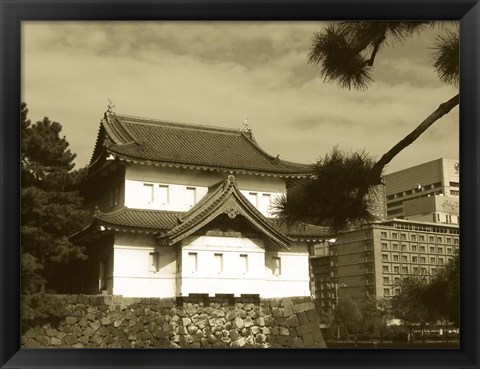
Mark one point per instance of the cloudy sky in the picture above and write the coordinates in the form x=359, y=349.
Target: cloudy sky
x=218, y=73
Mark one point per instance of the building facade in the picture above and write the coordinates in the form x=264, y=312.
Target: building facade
x=181, y=210
x=370, y=262
x=427, y=192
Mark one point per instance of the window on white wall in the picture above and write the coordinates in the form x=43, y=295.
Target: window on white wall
x=277, y=265
x=191, y=196
x=266, y=204
x=244, y=263
x=193, y=262
x=218, y=263
x=153, y=256
x=253, y=198
x=148, y=196
x=163, y=194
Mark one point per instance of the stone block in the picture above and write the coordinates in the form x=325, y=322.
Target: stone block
x=305, y=329
x=231, y=314
x=312, y=315
x=77, y=331
x=106, y=321
x=55, y=341
x=247, y=323
x=292, y=321
x=218, y=313
x=286, y=302
x=288, y=311
x=82, y=299
x=260, y=321
x=239, y=343
x=233, y=334
x=308, y=339
x=241, y=313
x=43, y=340
x=51, y=332
x=277, y=313
x=292, y=332
x=302, y=318
x=83, y=339
x=260, y=338
x=267, y=331
x=186, y=321
x=238, y=323
x=70, y=320
x=282, y=340
x=255, y=329
x=83, y=322
x=30, y=333
x=283, y=331
x=70, y=340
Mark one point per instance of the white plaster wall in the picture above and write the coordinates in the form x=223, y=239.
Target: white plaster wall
x=178, y=180
x=294, y=279
x=132, y=276
x=207, y=279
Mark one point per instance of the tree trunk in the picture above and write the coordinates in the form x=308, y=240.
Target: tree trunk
x=412, y=136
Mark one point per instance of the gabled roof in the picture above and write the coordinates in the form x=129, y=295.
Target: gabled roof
x=225, y=198
x=170, y=227
x=162, y=143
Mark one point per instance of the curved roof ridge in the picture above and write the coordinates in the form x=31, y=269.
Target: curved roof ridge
x=183, y=125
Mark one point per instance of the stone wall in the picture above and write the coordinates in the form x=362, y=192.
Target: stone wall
x=116, y=322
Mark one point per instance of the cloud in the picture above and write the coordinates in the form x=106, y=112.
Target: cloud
x=219, y=73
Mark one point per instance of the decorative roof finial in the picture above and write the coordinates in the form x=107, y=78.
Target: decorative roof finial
x=246, y=127
x=110, y=107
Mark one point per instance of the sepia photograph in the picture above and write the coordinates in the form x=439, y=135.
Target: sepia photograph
x=240, y=184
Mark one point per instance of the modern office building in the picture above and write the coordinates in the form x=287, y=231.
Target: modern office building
x=427, y=192
x=372, y=260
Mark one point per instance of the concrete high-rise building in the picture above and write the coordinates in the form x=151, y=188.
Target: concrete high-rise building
x=426, y=192
x=372, y=260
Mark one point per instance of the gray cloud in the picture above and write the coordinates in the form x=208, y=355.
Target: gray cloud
x=218, y=73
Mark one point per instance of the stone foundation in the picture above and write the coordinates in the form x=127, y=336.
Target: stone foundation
x=116, y=322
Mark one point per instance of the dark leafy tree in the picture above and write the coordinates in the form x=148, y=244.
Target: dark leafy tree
x=348, y=316
x=345, y=53
x=408, y=304
x=374, y=317
x=441, y=296
x=51, y=210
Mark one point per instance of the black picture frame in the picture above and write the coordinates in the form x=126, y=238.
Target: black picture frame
x=14, y=12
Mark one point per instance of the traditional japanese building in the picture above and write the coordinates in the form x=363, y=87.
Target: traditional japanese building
x=181, y=209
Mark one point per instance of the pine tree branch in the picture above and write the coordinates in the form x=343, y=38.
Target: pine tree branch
x=412, y=136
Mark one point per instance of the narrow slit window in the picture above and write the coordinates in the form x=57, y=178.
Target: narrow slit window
x=218, y=263
x=253, y=197
x=277, y=266
x=163, y=194
x=244, y=263
x=191, y=196
x=148, y=193
x=193, y=262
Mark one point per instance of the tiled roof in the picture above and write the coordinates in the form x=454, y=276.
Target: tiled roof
x=141, y=219
x=221, y=198
x=302, y=230
x=165, y=143
x=225, y=198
